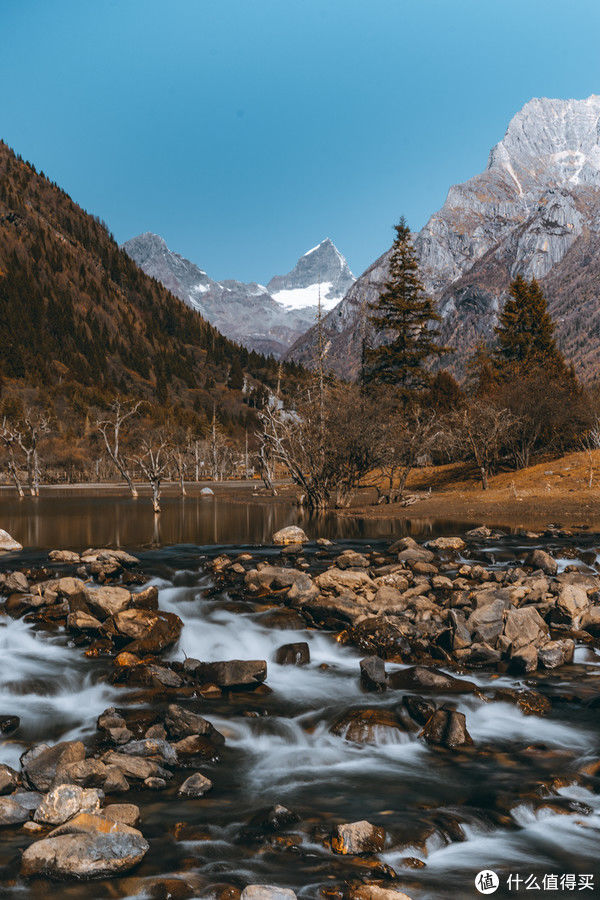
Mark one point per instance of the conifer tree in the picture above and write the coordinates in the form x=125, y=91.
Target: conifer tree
x=405, y=314
x=525, y=330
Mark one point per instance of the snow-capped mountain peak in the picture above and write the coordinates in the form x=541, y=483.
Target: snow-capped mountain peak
x=268, y=319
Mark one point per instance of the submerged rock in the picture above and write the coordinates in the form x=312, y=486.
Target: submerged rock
x=369, y=726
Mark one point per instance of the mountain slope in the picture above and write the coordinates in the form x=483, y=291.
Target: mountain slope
x=266, y=319
x=79, y=318
x=535, y=211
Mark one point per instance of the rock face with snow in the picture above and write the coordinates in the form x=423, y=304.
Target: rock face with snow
x=534, y=211
x=268, y=319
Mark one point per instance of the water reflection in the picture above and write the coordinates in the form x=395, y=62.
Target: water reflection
x=85, y=518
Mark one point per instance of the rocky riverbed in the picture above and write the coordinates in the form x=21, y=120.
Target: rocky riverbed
x=331, y=719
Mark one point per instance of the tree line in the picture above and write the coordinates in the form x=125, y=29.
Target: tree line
x=521, y=398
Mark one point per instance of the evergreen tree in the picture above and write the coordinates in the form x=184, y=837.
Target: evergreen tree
x=404, y=313
x=525, y=330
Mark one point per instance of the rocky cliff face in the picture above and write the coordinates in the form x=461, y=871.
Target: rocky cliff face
x=535, y=210
x=268, y=319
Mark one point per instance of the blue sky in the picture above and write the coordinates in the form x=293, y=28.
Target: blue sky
x=245, y=131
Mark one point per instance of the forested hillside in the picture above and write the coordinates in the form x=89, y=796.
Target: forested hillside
x=80, y=323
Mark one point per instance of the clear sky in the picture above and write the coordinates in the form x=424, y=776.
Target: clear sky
x=245, y=131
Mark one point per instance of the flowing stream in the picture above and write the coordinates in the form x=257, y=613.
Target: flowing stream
x=507, y=808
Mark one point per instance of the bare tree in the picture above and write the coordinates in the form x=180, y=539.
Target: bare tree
x=481, y=432
x=402, y=435
x=266, y=465
x=154, y=461
x=110, y=429
x=9, y=436
x=180, y=458
x=35, y=425
x=326, y=443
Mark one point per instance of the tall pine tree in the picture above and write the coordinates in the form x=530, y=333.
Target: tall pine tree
x=525, y=330
x=404, y=314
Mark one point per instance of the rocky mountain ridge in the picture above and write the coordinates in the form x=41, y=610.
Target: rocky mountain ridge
x=534, y=211
x=267, y=319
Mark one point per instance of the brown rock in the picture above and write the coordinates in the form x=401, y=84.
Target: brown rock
x=297, y=654
x=108, y=601
x=358, y=837
x=42, y=763
x=447, y=728
x=150, y=631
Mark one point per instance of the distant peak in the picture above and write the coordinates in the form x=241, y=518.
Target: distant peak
x=326, y=243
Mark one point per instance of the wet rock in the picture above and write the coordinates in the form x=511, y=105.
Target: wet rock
x=9, y=779
x=65, y=801
x=381, y=636
x=447, y=543
x=13, y=811
x=447, y=728
x=297, y=654
x=156, y=731
x=539, y=559
x=43, y=763
x=86, y=773
x=195, y=745
x=358, y=837
x=266, y=892
x=485, y=623
x=233, y=672
x=338, y=581
x=125, y=813
x=195, y=786
x=290, y=535
x=389, y=599
x=9, y=724
x=572, y=603
x=151, y=748
x=369, y=726
x=352, y=559
x=418, y=708
x=83, y=621
x=376, y=892
x=335, y=610
x=115, y=783
x=146, y=599
x=480, y=654
x=524, y=659
x=524, y=626
x=531, y=703
x=556, y=653
x=155, y=783
x=372, y=673
x=150, y=631
x=416, y=554
x=8, y=543
x=281, y=618
x=14, y=583
x=64, y=556
x=71, y=588
x=419, y=678
x=181, y=722
x=107, y=601
x=138, y=768
x=85, y=848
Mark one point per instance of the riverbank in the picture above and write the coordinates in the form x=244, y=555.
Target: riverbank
x=553, y=492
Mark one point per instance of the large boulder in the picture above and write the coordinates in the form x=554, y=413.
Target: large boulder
x=232, y=672
x=65, y=801
x=108, y=601
x=43, y=762
x=524, y=626
x=292, y=534
x=266, y=892
x=485, y=623
x=358, y=837
x=150, y=630
x=8, y=543
x=181, y=722
x=447, y=728
x=539, y=559
x=338, y=581
x=85, y=848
